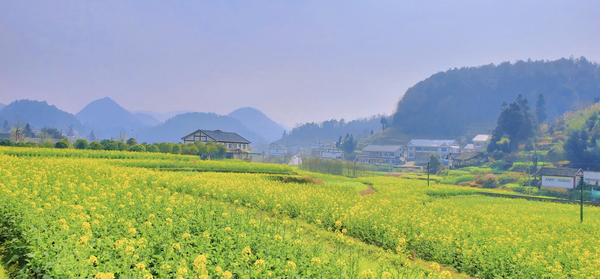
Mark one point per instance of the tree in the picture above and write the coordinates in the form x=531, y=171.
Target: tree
x=339, y=142
x=131, y=141
x=152, y=148
x=189, y=149
x=27, y=132
x=6, y=127
x=540, y=109
x=53, y=132
x=349, y=144
x=81, y=144
x=96, y=146
x=137, y=148
x=515, y=122
x=176, y=149
x=92, y=136
x=434, y=163
x=71, y=132
x=383, y=122
x=63, y=143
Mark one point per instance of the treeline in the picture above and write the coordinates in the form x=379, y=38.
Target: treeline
x=330, y=131
x=209, y=150
x=466, y=100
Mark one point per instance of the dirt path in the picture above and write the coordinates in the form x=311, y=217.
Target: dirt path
x=368, y=191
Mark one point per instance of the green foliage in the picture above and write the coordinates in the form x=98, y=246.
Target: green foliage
x=137, y=148
x=131, y=142
x=53, y=132
x=434, y=163
x=94, y=145
x=81, y=144
x=540, y=109
x=451, y=103
x=515, y=122
x=63, y=143
x=7, y=142
x=489, y=181
x=152, y=148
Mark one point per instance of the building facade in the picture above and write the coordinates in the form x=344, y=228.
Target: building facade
x=419, y=150
x=381, y=155
x=232, y=141
x=277, y=150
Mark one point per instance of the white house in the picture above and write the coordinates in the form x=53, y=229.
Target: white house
x=479, y=142
x=420, y=149
x=566, y=178
x=381, y=154
x=331, y=153
x=232, y=141
x=277, y=150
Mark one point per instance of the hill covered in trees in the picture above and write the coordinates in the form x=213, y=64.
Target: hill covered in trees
x=38, y=114
x=330, y=131
x=468, y=100
x=258, y=122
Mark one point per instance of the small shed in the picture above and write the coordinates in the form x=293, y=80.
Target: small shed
x=566, y=178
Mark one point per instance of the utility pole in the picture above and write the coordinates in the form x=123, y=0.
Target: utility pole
x=581, y=191
x=428, y=174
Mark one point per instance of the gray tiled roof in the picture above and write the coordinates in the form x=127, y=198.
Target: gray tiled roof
x=565, y=172
x=221, y=136
x=432, y=143
x=382, y=148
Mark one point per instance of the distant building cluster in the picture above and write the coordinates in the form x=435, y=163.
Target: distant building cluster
x=416, y=150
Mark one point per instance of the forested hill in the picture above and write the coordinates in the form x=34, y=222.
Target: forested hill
x=468, y=100
x=330, y=131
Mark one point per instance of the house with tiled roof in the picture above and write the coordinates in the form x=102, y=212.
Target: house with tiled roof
x=419, y=150
x=381, y=154
x=566, y=178
x=232, y=141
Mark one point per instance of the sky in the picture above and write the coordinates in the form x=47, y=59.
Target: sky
x=296, y=61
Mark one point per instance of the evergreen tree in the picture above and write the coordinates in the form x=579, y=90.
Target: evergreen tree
x=540, y=109
x=434, y=164
x=349, y=144
x=92, y=136
x=27, y=132
x=6, y=127
x=515, y=122
x=383, y=122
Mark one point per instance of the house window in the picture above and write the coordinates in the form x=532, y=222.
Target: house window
x=444, y=149
x=411, y=148
x=418, y=148
x=237, y=145
x=229, y=146
x=203, y=138
x=244, y=146
x=196, y=137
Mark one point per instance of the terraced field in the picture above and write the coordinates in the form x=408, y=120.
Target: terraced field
x=92, y=215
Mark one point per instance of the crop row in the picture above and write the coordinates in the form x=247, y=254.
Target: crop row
x=75, y=218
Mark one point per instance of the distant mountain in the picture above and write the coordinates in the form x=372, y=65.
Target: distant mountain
x=181, y=125
x=2, y=106
x=468, y=100
x=108, y=119
x=146, y=119
x=258, y=122
x=162, y=117
x=39, y=115
x=330, y=131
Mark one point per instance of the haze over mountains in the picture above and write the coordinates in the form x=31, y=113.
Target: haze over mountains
x=107, y=119
x=448, y=104
x=468, y=100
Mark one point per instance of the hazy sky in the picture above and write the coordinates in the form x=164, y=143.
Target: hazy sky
x=297, y=61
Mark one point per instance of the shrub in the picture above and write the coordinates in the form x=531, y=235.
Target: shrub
x=63, y=143
x=489, y=181
x=137, y=148
x=81, y=144
x=96, y=146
